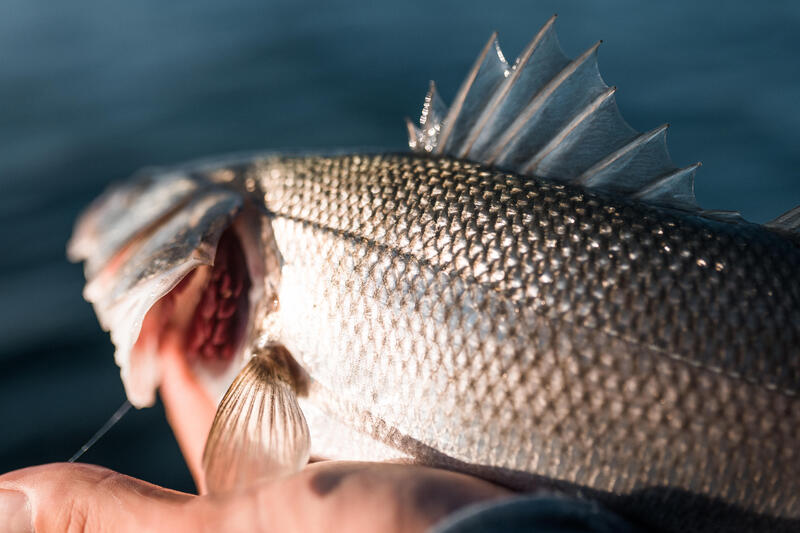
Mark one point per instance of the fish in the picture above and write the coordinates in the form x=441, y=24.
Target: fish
x=531, y=295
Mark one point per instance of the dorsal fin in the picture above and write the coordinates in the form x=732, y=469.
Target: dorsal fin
x=426, y=136
x=555, y=118
x=789, y=222
x=486, y=75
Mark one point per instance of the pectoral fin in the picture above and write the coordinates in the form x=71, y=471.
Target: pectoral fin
x=259, y=431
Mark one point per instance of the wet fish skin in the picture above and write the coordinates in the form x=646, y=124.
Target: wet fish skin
x=599, y=331
x=516, y=327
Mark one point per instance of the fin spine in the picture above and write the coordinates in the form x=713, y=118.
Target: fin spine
x=413, y=134
x=537, y=102
x=461, y=97
x=638, y=142
x=660, y=191
x=787, y=222
x=505, y=87
x=588, y=111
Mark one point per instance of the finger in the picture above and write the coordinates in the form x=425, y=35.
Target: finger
x=91, y=499
x=190, y=411
x=78, y=497
x=357, y=497
x=366, y=497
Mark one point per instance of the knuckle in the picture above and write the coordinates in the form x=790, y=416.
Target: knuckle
x=75, y=493
x=75, y=517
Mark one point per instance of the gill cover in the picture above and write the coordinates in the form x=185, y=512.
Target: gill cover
x=138, y=241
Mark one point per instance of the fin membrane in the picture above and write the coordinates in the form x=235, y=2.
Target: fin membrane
x=259, y=431
x=789, y=222
x=555, y=118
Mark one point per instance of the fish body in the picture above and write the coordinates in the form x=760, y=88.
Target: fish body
x=525, y=326
x=602, y=337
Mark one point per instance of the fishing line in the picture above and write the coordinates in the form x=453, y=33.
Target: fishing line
x=119, y=413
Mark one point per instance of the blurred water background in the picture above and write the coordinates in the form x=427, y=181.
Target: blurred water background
x=92, y=90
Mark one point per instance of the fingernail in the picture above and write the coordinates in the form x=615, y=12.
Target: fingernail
x=15, y=512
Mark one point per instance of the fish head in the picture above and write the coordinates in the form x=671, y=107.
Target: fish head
x=186, y=254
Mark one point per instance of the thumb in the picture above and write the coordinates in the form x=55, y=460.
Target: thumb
x=86, y=498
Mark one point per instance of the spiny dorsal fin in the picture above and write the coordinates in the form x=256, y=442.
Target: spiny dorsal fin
x=555, y=118
x=486, y=75
x=426, y=136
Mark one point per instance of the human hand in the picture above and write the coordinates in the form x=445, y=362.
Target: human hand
x=324, y=496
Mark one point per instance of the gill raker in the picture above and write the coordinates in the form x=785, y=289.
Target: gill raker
x=532, y=296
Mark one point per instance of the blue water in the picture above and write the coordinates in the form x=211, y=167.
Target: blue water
x=92, y=90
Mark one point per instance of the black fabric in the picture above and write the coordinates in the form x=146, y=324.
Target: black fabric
x=539, y=514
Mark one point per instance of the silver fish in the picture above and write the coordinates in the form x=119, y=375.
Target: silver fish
x=533, y=297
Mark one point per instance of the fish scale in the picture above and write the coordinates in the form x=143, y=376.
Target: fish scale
x=572, y=320
x=552, y=331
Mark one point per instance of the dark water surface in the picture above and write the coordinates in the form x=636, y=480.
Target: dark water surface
x=92, y=90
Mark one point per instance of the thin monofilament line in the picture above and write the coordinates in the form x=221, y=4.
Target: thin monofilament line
x=119, y=413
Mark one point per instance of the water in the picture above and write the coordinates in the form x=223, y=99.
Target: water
x=90, y=91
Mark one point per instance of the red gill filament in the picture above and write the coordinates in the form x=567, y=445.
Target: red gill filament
x=220, y=318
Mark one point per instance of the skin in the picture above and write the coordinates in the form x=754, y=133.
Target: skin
x=354, y=496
